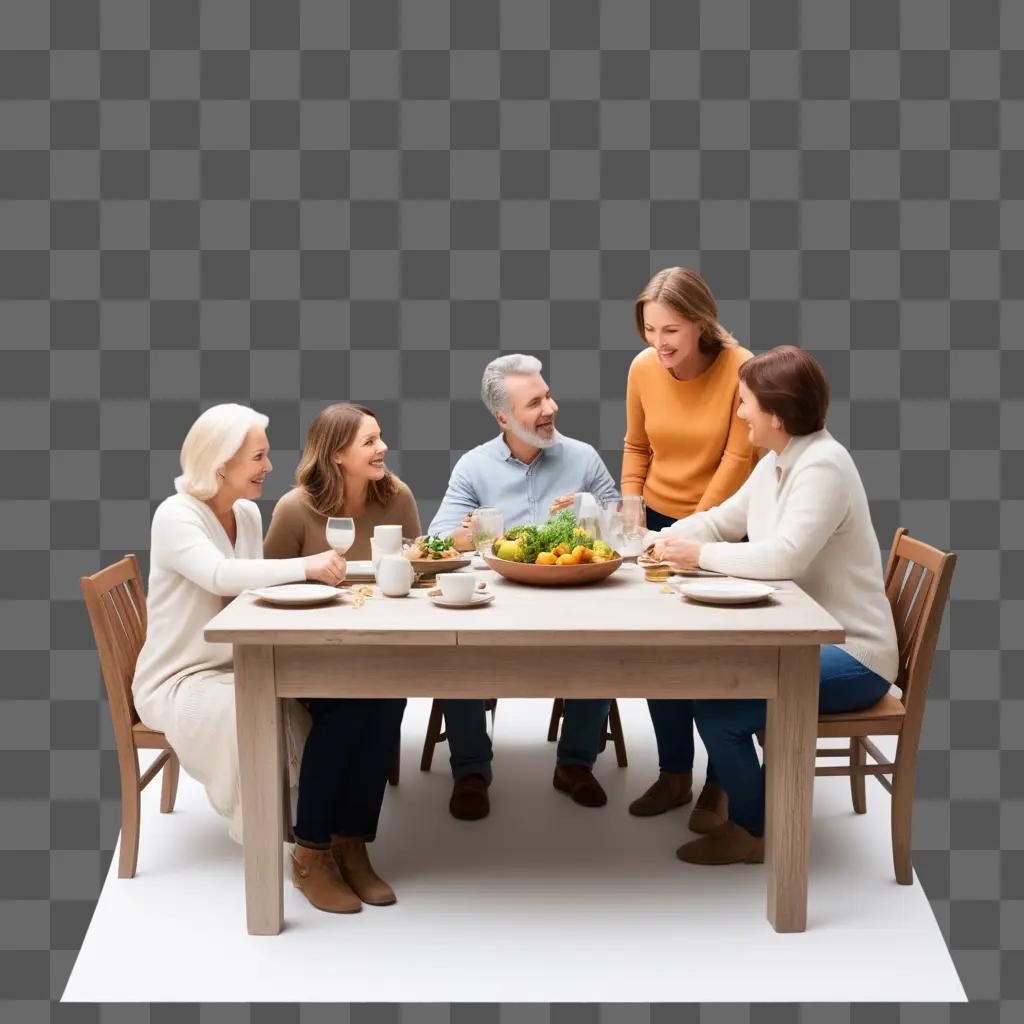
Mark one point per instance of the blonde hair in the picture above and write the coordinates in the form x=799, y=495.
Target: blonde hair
x=688, y=294
x=334, y=429
x=213, y=440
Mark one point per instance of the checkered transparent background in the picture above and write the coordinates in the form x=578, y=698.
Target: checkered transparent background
x=287, y=203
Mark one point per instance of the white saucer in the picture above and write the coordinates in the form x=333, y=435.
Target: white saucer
x=298, y=595
x=727, y=591
x=479, y=599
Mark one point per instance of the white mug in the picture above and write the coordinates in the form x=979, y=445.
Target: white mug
x=457, y=587
x=388, y=538
x=394, y=575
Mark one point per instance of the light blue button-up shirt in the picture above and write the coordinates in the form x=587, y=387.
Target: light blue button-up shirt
x=491, y=476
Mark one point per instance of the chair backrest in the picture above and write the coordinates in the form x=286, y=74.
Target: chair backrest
x=917, y=579
x=116, y=604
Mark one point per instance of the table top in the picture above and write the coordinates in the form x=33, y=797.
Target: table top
x=623, y=610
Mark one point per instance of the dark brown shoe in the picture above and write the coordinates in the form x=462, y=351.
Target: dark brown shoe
x=316, y=876
x=729, y=843
x=469, y=800
x=710, y=810
x=673, y=789
x=580, y=784
x=353, y=861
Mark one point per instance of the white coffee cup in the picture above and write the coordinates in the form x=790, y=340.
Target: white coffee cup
x=457, y=587
x=394, y=575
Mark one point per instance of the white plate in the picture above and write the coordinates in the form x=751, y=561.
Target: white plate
x=479, y=599
x=725, y=591
x=298, y=595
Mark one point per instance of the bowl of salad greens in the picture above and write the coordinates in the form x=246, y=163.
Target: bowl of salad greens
x=434, y=554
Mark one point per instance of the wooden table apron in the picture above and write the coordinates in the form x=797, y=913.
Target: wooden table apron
x=774, y=657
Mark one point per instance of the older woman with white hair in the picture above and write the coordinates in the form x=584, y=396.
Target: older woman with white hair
x=207, y=545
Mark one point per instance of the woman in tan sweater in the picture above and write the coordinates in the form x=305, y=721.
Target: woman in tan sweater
x=685, y=451
x=342, y=473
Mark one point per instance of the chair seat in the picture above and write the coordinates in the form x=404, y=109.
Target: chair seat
x=149, y=739
x=883, y=718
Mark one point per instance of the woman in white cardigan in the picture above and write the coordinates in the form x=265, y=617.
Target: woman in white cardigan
x=207, y=547
x=807, y=518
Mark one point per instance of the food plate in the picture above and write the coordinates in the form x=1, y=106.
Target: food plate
x=478, y=601
x=431, y=566
x=725, y=591
x=298, y=595
x=553, y=575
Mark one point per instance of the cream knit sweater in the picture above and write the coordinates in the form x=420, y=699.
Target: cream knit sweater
x=807, y=518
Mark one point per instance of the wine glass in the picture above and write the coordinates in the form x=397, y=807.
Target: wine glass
x=341, y=533
x=487, y=524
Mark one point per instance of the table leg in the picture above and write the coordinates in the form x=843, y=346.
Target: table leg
x=790, y=737
x=260, y=746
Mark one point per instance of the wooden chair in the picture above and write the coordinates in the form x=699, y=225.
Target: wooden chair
x=436, y=733
x=117, y=610
x=612, y=730
x=917, y=579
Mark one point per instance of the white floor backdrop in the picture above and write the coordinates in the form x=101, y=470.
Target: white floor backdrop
x=543, y=901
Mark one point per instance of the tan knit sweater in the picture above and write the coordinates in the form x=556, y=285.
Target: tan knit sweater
x=296, y=530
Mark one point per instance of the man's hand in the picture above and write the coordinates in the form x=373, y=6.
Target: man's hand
x=683, y=554
x=565, y=501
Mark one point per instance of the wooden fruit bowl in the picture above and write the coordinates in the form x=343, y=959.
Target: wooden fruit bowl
x=553, y=575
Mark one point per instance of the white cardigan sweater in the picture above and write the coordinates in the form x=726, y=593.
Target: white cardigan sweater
x=193, y=570
x=807, y=519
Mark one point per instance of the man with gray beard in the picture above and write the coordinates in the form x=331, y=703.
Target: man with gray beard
x=529, y=471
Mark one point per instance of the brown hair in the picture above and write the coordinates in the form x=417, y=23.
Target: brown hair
x=789, y=383
x=319, y=476
x=689, y=295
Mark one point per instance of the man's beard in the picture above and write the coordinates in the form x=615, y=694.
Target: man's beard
x=527, y=435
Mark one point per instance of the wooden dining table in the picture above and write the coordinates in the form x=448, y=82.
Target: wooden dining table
x=622, y=637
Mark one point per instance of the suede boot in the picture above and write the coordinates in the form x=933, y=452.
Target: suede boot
x=354, y=863
x=729, y=843
x=317, y=877
x=673, y=789
x=469, y=800
x=580, y=784
x=710, y=810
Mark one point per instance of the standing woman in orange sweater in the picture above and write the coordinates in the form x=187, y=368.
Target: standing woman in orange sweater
x=685, y=451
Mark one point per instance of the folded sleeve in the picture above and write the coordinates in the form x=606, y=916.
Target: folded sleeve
x=599, y=481
x=181, y=543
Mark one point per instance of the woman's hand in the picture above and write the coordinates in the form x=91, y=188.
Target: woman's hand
x=565, y=501
x=328, y=567
x=683, y=554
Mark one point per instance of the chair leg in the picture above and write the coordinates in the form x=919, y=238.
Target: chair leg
x=169, y=783
x=617, y=736
x=434, y=732
x=902, y=817
x=288, y=831
x=131, y=811
x=396, y=765
x=556, y=717
x=858, y=789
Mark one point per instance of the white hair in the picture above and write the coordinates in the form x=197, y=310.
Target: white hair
x=492, y=388
x=211, y=441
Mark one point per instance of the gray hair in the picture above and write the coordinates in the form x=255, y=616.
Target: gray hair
x=492, y=387
x=212, y=441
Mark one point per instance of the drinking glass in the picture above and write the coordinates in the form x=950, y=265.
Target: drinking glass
x=341, y=533
x=487, y=525
x=624, y=524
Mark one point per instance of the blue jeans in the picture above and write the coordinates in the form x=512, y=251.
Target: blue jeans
x=728, y=726
x=470, y=746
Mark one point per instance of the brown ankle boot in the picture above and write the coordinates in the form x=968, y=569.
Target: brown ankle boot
x=729, y=843
x=673, y=789
x=317, y=877
x=354, y=863
x=710, y=810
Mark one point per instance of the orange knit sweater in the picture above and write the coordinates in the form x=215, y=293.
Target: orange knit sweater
x=686, y=450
